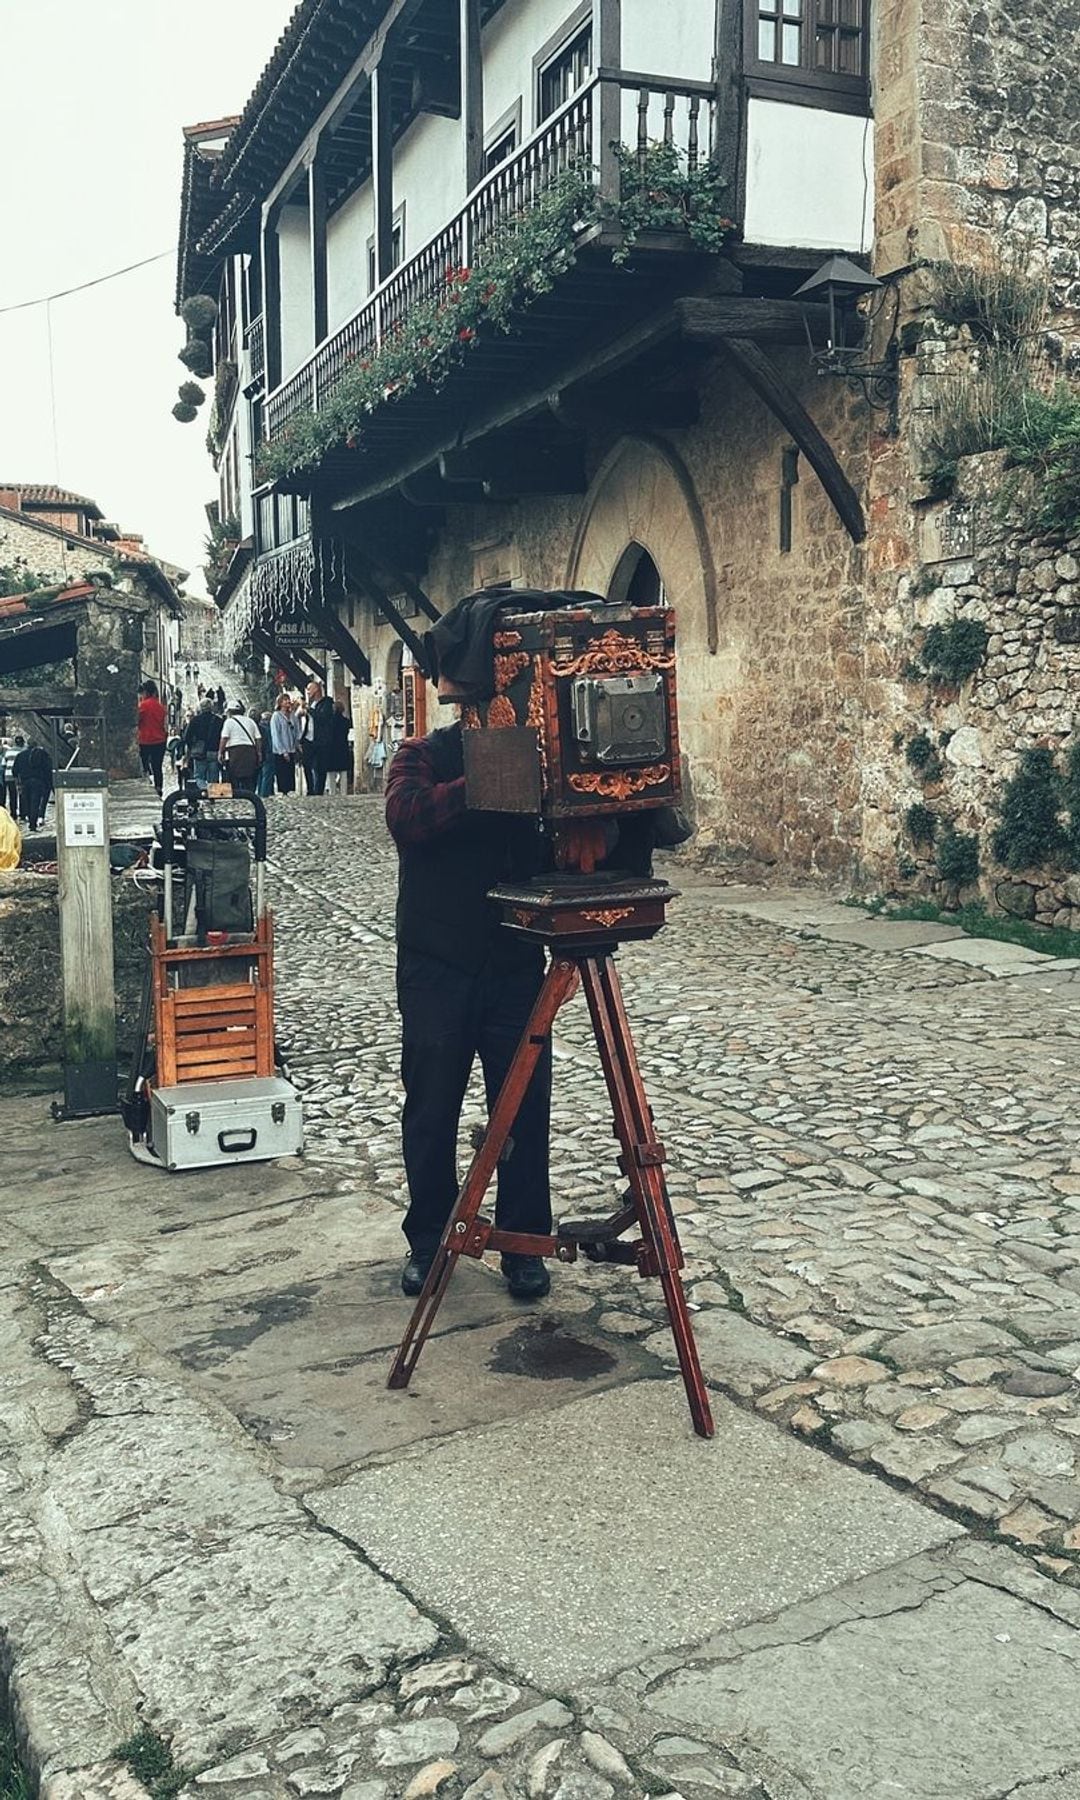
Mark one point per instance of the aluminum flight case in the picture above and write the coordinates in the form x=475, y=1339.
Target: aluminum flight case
x=200, y=1124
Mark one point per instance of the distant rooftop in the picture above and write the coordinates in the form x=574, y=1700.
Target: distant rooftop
x=36, y=494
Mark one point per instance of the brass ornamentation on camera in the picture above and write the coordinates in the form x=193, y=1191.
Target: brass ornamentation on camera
x=620, y=785
x=500, y=714
x=615, y=654
x=611, y=915
x=508, y=668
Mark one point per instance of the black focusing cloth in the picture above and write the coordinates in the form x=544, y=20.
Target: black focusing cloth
x=461, y=646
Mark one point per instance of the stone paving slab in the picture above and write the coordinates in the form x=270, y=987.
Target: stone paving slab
x=211, y=1597
x=569, y=1544
x=995, y=956
x=950, y=1690
x=339, y=1412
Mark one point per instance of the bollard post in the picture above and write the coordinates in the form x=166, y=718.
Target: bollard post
x=86, y=943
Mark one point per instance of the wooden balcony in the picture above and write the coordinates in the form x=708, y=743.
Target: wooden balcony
x=614, y=107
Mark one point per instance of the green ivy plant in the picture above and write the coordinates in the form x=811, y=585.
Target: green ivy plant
x=659, y=191
x=224, y=535
x=520, y=263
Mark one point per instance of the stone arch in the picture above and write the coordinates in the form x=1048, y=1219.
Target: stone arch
x=643, y=495
x=637, y=580
x=394, y=665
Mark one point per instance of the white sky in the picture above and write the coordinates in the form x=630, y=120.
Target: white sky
x=95, y=96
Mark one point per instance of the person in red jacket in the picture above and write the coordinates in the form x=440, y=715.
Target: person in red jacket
x=153, y=733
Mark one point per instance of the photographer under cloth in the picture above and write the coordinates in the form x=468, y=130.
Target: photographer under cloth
x=465, y=984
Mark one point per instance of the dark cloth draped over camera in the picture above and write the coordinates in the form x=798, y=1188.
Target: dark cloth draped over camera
x=462, y=645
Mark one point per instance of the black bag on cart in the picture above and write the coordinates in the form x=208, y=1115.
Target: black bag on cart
x=219, y=886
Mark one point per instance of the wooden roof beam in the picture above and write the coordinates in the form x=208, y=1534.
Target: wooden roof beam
x=783, y=402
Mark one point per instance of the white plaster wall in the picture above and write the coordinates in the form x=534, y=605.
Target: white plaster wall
x=429, y=176
x=510, y=42
x=347, y=234
x=672, y=37
x=297, y=320
x=810, y=177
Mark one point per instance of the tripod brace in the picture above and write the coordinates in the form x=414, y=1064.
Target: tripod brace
x=582, y=924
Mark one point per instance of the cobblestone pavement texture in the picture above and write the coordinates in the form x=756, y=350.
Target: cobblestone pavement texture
x=874, y=1156
x=217, y=1524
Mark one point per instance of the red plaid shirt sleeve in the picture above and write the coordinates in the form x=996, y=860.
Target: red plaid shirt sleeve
x=417, y=806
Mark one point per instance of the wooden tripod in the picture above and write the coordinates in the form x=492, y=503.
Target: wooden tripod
x=657, y=1252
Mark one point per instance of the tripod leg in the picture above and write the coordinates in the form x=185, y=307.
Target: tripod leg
x=642, y=1158
x=558, y=985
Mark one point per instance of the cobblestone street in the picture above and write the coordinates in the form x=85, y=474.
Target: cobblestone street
x=874, y=1154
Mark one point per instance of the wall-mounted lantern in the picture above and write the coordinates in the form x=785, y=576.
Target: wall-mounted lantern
x=845, y=290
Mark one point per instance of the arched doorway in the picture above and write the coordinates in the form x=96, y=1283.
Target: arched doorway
x=637, y=580
x=643, y=538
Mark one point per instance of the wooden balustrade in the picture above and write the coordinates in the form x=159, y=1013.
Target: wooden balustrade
x=255, y=341
x=679, y=114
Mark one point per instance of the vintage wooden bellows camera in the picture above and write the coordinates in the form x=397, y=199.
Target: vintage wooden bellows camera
x=584, y=717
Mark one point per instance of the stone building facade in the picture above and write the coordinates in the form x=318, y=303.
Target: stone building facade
x=127, y=629
x=795, y=634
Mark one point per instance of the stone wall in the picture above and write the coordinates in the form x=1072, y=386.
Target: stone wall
x=976, y=133
x=25, y=546
x=976, y=558
x=31, y=1045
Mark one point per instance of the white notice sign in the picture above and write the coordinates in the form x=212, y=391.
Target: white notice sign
x=84, y=820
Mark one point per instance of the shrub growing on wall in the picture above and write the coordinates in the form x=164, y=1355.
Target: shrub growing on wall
x=1031, y=832
x=923, y=758
x=920, y=824
x=952, y=652
x=958, y=858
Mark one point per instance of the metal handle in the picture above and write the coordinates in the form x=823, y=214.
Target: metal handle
x=234, y=1143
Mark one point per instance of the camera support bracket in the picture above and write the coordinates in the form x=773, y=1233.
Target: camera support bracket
x=582, y=929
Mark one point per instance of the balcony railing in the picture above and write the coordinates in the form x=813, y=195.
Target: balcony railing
x=649, y=109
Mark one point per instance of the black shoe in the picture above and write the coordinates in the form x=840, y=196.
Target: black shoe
x=526, y=1277
x=415, y=1272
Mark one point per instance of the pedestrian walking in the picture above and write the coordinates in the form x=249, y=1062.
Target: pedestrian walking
x=339, y=765
x=306, y=744
x=264, y=785
x=285, y=741
x=240, y=749
x=321, y=716
x=10, y=785
x=34, y=774
x=153, y=731
x=201, y=740
x=220, y=697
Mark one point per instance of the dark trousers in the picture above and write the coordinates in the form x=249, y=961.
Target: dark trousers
x=307, y=757
x=285, y=771
x=11, y=798
x=448, y=1018
x=316, y=772
x=152, y=757
x=35, y=798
